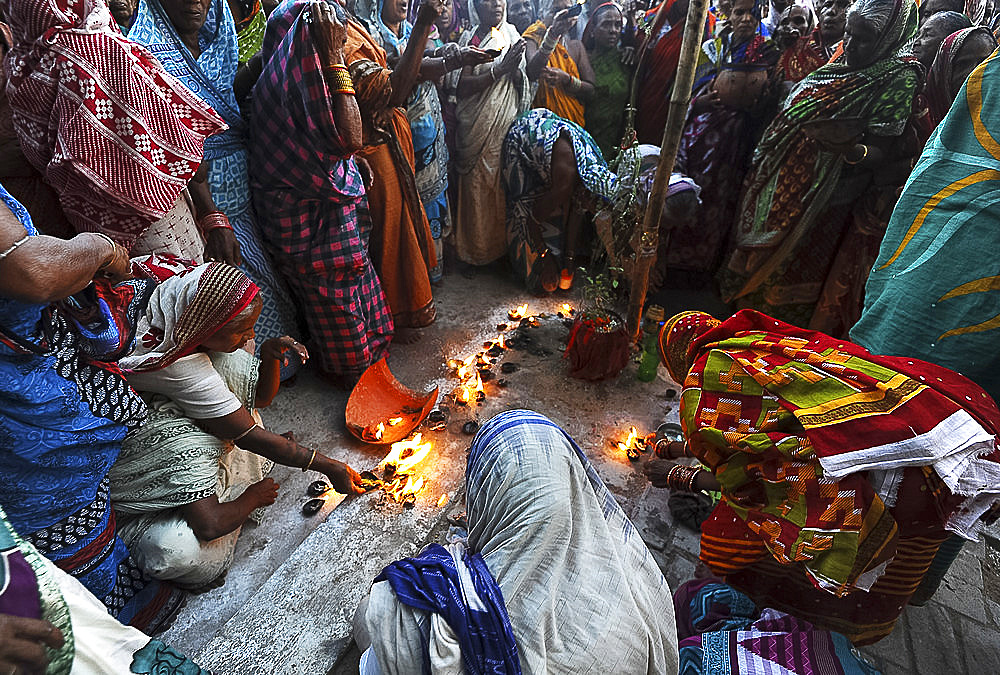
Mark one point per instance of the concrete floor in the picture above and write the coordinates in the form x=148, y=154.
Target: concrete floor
x=291, y=593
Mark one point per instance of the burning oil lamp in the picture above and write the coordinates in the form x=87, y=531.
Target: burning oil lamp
x=633, y=446
x=518, y=312
x=499, y=39
x=395, y=471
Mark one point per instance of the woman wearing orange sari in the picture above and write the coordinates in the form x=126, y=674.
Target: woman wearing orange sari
x=401, y=246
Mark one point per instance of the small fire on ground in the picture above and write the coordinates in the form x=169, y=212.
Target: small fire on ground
x=395, y=473
x=633, y=446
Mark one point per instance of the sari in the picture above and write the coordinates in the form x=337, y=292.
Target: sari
x=551, y=97
x=527, y=175
x=715, y=152
x=809, y=225
x=250, y=32
x=722, y=631
x=841, y=472
x=805, y=56
x=527, y=481
x=170, y=462
x=430, y=152
x=311, y=201
x=932, y=292
x=656, y=82
x=210, y=76
x=94, y=643
x=113, y=133
x=401, y=244
x=483, y=120
x=612, y=83
x=64, y=410
x=937, y=96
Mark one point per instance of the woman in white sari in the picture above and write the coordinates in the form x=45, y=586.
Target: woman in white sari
x=490, y=96
x=555, y=578
x=187, y=480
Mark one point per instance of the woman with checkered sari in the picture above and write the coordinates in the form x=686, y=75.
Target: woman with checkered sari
x=307, y=189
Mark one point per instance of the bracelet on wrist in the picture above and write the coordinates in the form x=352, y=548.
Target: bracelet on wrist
x=493, y=72
x=214, y=221
x=864, y=154
x=311, y=460
x=114, y=249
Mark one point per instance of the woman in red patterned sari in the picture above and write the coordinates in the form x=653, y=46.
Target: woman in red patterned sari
x=840, y=472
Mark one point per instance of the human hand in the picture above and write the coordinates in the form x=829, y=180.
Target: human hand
x=23, y=642
x=221, y=245
x=344, y=479
x=656, y=470
x=706, y=102
x=561, y=23
x=555, y=77
x=277, y=349
x=367, y=177
x=119, y=267
x=329, y=34
x=512, y=59
x=429, y=11
x=262, y=493
x=473, y=56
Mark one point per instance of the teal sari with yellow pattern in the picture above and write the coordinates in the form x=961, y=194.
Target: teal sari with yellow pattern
x=934, y=292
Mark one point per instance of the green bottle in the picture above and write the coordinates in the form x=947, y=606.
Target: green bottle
x=650, y=359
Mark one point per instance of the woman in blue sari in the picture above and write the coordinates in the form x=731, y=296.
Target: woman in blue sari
x=64, y=409
x=201, y=51
x=423, y=111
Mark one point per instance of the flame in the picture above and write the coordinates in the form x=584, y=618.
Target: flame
x=479, y=384
x=467, y=367
x=565, y=308
x=518, y=312
x=395, y=421
x=379, y=430
x=501, y=342
x=465, y=395
x=442, y=500
x=630, y=441
x=406, y=454
x=499, y=39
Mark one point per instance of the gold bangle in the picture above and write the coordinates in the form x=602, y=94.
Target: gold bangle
x=860, y=159
x=341, y=80
x=241, y=436
x=306, y=467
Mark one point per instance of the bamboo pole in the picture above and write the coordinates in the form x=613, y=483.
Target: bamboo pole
x=694, y=28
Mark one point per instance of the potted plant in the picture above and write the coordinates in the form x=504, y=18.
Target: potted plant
x=599, y=345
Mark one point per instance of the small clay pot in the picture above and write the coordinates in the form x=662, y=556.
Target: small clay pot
x=470, y=428
x=317, y=488
x=312, y=507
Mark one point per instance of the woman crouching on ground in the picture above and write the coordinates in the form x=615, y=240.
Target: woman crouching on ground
x=184, y=486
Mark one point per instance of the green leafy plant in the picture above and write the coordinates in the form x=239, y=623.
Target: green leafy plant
x=601, y=292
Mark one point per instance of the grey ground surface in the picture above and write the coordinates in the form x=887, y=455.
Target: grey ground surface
x=289, y=598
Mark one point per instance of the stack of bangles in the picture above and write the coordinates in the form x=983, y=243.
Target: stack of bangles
x=342, y=82
x=213, y=221
x=662, y=449
x=548, y=44
x=682, y=477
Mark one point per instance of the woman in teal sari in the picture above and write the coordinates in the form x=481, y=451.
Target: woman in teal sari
x=201, y=52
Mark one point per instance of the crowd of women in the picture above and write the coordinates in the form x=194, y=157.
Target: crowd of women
x=191, y=187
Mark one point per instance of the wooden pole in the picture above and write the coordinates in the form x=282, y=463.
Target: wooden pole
x=694, y=28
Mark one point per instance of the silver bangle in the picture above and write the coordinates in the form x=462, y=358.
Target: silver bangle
x=14, y=246
x=493, y=72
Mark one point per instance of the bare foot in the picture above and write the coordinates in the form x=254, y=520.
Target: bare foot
x=406, y=336
x=548, y=275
